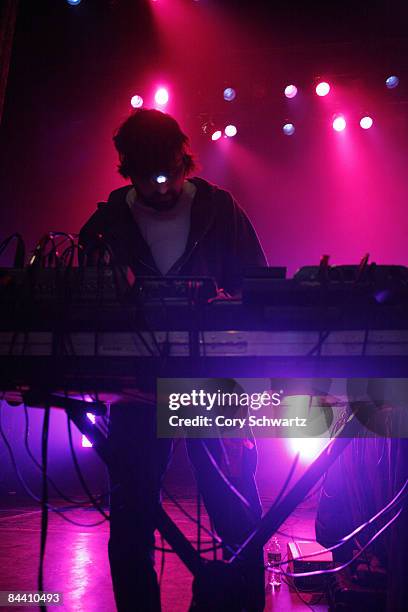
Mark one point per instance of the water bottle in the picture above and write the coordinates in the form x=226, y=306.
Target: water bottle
x=273, y=559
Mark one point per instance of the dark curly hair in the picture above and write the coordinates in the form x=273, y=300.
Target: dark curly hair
x=150, y=141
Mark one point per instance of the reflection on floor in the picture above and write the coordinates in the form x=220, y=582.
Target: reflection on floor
x=77, y=564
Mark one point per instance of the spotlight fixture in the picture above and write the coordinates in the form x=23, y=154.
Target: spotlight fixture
x=339, y=123
x=392, y=81
x=136, y=101
x=366, y=122
x=229, y=94
x=288, y=129
x=85, y=442
x=291, y=91
x=161, y=96
x=74, y=2
x=322, y=89
x=230, y=131
x=216, y=135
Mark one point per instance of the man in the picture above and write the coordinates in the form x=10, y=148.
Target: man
x=166, y=223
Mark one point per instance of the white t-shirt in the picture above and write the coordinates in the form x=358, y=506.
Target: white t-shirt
x=166, y=232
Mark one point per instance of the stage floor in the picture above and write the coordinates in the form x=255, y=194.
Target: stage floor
x=77, y=564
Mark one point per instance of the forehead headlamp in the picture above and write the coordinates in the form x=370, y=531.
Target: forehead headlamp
x=160, y=179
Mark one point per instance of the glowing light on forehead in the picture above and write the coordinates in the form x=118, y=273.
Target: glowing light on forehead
x=161, y=179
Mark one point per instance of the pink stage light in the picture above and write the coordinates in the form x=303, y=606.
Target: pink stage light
x=85, y=442
x=216, y=135
x=366, y=123
x=291, y=91
x=339, y=123
x=322, y=89
x=308, y=448
x=161, y=96
x=230, y=131
x=136, y=101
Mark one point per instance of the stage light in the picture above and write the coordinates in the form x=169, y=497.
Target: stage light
x=392, y=81
x=161, y=179
x=366, y=123
x=322, y=89
x=339, y=123
x=74, y=2
x=288, y=129
x=136, y=101
x=85, y=442
x=229, y=94
x=216, y=135
x=230, y=131
x=308, y=448
x=290, y=91
x=161, y=96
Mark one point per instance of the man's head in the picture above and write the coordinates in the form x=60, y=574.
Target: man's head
x=155, y=154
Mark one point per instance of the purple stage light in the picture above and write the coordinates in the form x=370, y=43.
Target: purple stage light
x=322, y=89
x=290, y=91
x=229, y=94
x=74, y=2
x=85, y=442
x=288, y=129
x=308, y=448
x=230, y=131
x=366, y=123
x=339, y=123
x=392, y=81
x=136, y=101
x=161, y=96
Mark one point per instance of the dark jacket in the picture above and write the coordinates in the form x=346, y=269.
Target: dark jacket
x=222, y=242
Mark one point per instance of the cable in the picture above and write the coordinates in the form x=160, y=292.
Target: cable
x=20, y=249
x=163, y=560
x=350, y=561
x=198, y=505
x=191, y=518
x=39, y=466
x=28, y=490
x=224, y=477
x=306, y=603
x=351, y=535
x=80, y=475
x=44, y=500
